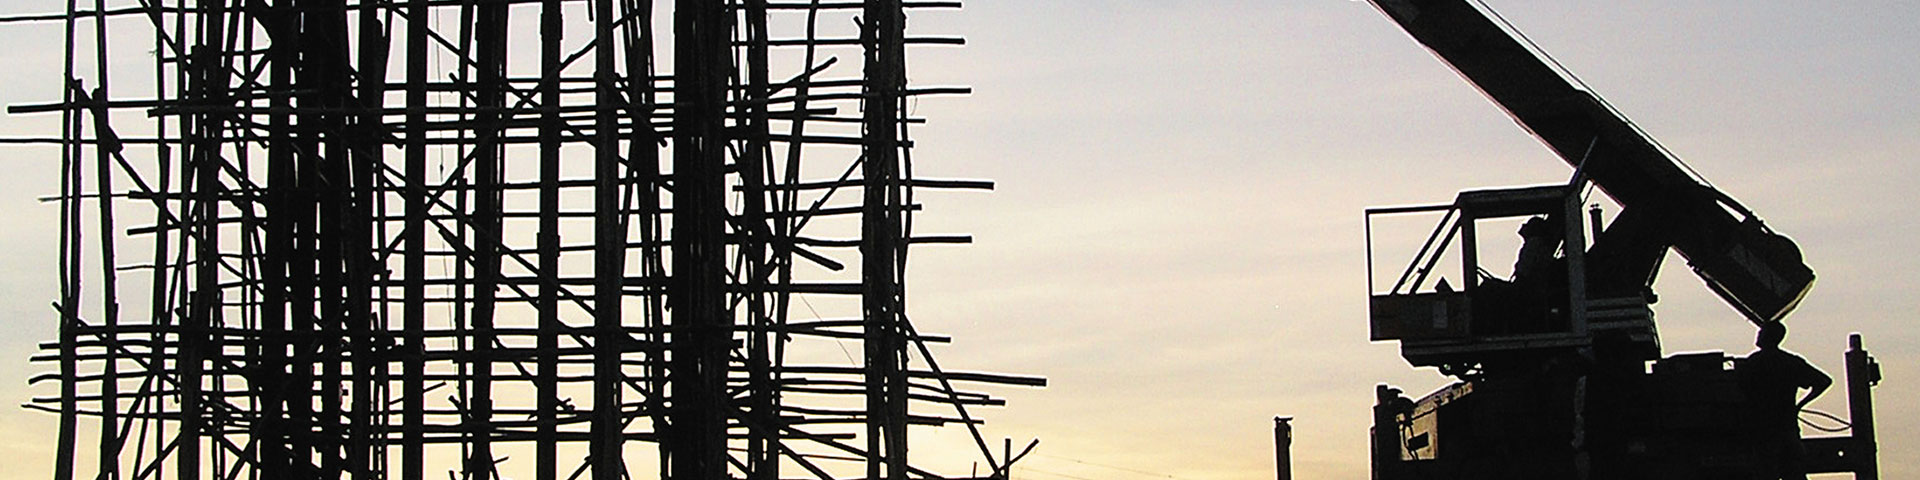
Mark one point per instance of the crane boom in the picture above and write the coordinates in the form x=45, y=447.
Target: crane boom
x=1758, y=272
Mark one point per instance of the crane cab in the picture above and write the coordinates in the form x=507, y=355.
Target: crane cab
x=1543, y=307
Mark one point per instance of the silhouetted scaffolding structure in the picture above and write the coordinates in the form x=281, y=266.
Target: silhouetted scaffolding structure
x=388, y=238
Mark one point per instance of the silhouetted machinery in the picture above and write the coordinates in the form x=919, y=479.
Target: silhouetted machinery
x=1560, y=368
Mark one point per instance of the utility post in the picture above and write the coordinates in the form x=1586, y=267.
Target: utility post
x=1283, y=448
x=1862, y=374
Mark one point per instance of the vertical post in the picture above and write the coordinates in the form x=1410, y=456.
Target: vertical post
x=784, y=229
x=325, y=70
x=701, y=330
x=1386, y=448
x=763, y=450
x=1469, y=252
x=70, y=275
x=210, y=83
x=609, y=255
x=1575, y=252
x=414, y=268
x=546, y=407
x=108, y=146
x=1575, y=249
x=172, y=289
x=310, y=124
x=491, y=33
x=1283, y=448
x=882, y=248
x=1862, y=373
x=366, y=156
x=163, y=253
x=69, y=259
x=270, y=383
x=643, y=156
x=205, y=296
x=109, y=290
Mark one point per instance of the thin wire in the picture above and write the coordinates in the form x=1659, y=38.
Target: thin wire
x=1582, y=84
x=1075, y=477
x=1115, y=467
x=837, y=340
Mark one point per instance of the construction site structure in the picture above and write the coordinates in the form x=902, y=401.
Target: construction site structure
x=1561, y=374
x=537, y=239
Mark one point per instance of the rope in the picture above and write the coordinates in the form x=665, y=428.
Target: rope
x=1844, y=425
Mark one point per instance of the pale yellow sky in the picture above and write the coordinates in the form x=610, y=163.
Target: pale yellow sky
x=1175, y=239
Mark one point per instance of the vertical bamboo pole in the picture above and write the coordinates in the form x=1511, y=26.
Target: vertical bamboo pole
x=546, y=408
x=700, y=328
x=270, y=381
x=204, y=158
x=327, y=66
x=491, y=33
x=69, y=269
x=881, y=240
x=108, y=146
x=414, y=244
x=303, y=285
x=367, y=155
x=609, y=255
x=162, y=261
x=643, y=154
x=763, y=449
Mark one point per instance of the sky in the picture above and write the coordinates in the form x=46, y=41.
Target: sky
x=1175, y=239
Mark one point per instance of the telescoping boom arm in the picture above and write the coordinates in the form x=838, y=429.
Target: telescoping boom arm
x=1758, y=272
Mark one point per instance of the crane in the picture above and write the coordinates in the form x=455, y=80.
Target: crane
x=1559, y=364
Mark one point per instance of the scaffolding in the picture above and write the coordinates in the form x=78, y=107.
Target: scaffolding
x=389, y=238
